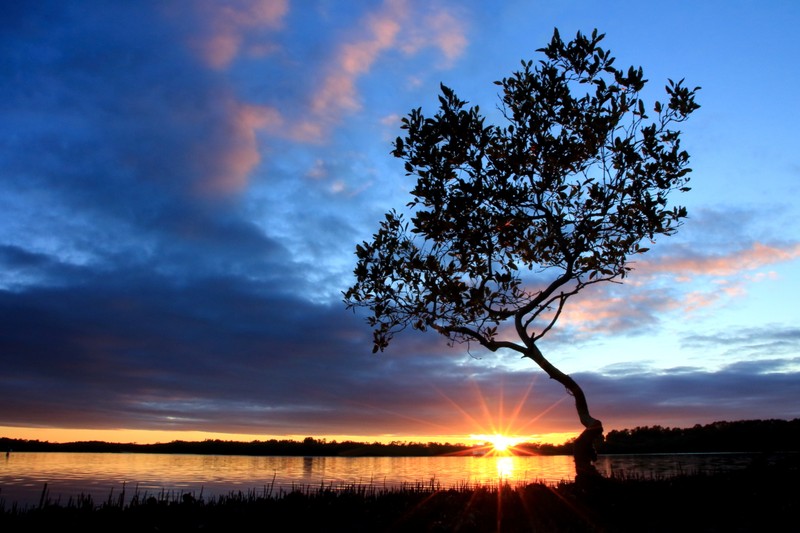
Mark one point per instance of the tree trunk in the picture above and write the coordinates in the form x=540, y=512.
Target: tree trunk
x=584, y=453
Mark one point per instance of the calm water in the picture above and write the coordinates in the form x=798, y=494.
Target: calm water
x=23, y=475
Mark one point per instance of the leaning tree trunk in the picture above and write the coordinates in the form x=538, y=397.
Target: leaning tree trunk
x=584, y=453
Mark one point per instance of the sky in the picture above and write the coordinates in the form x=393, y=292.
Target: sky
x=183, y=185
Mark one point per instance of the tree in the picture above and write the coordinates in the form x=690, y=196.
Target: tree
x=508, y=222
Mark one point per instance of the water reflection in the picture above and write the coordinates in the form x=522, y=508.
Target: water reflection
x=308, y=466
x=505, y=468
x=69, y=474
x=23, y=475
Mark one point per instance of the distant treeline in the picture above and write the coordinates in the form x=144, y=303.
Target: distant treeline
x=307, y=447
x=740, y=436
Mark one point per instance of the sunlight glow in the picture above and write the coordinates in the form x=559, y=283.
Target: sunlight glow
x=498, y=444
x=505, y=468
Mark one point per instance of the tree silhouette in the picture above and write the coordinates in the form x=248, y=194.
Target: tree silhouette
x=508, y=222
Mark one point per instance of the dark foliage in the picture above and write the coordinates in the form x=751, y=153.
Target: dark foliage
x=307, y=447
x=577, y=177
x=741, y=436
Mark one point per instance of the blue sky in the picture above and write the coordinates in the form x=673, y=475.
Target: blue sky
x=184, y=184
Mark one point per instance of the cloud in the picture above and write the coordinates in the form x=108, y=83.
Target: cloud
x=356, y=58
x=222, y=26
x=125, y=148
x=735, y=392
x=230, y=355
x=395, y=25
x=601, y=311
x=135, y=339
x=130, y=100
x=668, y=284
x=233, y=165
x=732, y=263
x=441, y=29
x=764, y=341
x=22, y=268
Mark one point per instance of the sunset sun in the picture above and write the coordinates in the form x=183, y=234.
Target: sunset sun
x=501, y=443
x=497, y=443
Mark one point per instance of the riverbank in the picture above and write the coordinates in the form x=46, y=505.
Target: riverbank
x=759, y=498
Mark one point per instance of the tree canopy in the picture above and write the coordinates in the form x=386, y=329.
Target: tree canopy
x=569, y=187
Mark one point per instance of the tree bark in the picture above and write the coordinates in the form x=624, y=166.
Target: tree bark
x=584, y=452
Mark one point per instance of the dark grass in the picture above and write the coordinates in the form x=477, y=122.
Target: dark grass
x=759, y=498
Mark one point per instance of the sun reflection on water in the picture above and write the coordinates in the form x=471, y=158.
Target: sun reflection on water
x=505, y=468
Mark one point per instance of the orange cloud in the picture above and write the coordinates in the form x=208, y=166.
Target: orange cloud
x=226, y=22
x=697, y=300
x=439, y=29
x=390, y=27
x=595, y=310
x=355, y=58
x=228, y=170
x=758, y=255
x=448, y=34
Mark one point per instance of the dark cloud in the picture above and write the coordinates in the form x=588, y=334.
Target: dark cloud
x=238, y=356
x=740, y=391
x=763, y=341
x=106, y=348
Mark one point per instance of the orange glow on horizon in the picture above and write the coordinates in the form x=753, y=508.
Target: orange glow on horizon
x=496, y=429
x=142, y=436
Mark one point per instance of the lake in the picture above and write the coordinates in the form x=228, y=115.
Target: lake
x=23, y=474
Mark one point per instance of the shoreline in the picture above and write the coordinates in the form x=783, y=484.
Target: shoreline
x=759, y=498
x=27, y=482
